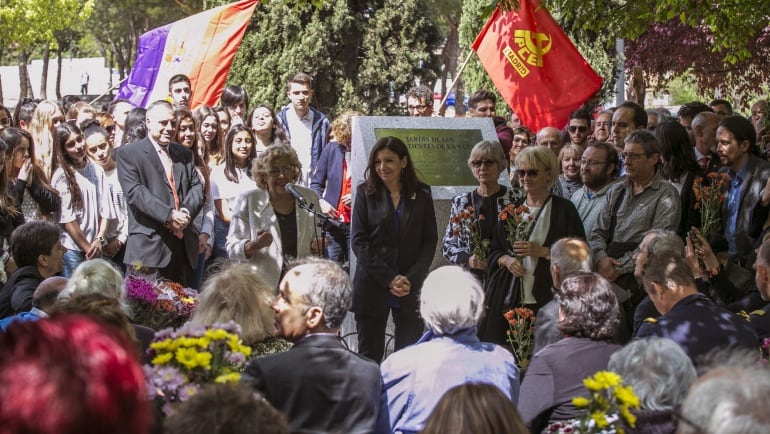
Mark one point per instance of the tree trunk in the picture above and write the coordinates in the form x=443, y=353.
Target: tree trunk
x=1, y=90
x=25, y=89
x=44, y=74
x=59, y=53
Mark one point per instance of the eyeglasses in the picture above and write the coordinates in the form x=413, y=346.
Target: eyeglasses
x=632, y=155
x=532, y=173
x=591, y=162
x=419, y=108
x=5, y=122
x=478, y=163
x=287, y=170
x=110, y=128
x=581, y=128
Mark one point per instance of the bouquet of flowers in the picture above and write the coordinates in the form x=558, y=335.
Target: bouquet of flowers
x=709, y=198
x=159, y=304
x=516, y=223
x=521, y=323
x=467, y=227
x=607, y=410
x=184, y=360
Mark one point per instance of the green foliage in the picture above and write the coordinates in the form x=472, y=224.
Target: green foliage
x=356, y=53
x=734, y=23
x=683, y=89
x=25, y=23
x=396, y=50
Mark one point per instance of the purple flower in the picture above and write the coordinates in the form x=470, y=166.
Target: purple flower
x=168, y=378
x=140, y=290
x=187, y=391
x=235, y=358
x=230, y=327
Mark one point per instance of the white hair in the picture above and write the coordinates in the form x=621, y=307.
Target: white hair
x=96, y=276
x=729, y=400
x=451, y=299
x=659, y=371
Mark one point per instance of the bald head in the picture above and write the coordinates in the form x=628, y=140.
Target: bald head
x=550, y=137
x=47, y=292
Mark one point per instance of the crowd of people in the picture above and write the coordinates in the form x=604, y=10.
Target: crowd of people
x=598, y=230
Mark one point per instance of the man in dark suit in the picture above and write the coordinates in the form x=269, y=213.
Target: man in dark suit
x=704, y=130
x=760, y=318
x=163, y=194
x=688, y=317
x=318, y=384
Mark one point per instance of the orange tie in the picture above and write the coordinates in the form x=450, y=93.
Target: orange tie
x=705, y=163
x=168, y=165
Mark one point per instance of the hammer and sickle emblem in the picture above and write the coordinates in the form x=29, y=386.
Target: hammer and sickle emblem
x=532, y=46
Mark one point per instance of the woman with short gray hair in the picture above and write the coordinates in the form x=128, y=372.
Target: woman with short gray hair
x=448, y=354
x=486, y=161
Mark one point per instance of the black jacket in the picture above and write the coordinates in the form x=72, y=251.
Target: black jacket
x=16, y=295
x=382, y=253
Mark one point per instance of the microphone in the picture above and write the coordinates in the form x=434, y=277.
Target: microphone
x=291, y=188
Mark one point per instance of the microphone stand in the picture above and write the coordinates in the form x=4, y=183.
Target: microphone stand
x=323, y=221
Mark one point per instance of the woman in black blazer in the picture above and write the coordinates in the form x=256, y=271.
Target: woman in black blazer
x=394, y=238
x=529, y=260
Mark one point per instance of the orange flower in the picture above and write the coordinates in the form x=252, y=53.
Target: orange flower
x=510, y=208
x=469, y=208
x=713, y=175
x=503, y=216
x=481, y=217
x=509, y=315
x=512, y=322
x=725, y=177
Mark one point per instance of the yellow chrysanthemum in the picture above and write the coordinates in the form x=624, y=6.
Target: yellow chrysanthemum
x=191, y=358
x=237, y=347
x=162, y=359
x=599, y=419
x=602, y=380
x=232, y=377
x=626, y=396
x=581, y=402
x=217, y=334
x=629, y=417
x=165, y=344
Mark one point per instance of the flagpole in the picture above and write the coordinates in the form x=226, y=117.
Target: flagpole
x=457, y=77
x=108, y=90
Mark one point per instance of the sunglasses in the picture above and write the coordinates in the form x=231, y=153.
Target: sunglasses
x=581, y=128
x=532, y=173
x=478, y=163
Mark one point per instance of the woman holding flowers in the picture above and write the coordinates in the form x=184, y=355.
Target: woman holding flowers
x=519, y=259
x=473, y=215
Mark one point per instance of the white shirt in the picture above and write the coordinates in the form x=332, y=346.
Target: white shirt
x=223, y=188
x=301, y=132
x=96, y=202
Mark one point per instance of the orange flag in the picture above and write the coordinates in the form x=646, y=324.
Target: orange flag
x=534, y=65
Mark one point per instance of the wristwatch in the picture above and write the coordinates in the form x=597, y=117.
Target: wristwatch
x=102, y=240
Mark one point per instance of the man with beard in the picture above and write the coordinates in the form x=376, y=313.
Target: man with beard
x=599, y=165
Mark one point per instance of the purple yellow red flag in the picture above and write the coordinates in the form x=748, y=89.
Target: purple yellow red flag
x=535, y=66
x=201, y=46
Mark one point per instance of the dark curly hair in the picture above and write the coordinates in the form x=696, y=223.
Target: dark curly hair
x=589, y=307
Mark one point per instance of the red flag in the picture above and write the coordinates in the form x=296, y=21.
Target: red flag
x=534, y=65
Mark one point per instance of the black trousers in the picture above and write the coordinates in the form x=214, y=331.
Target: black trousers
x=371, y=332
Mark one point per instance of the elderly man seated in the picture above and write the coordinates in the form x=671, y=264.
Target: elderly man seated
x=449, y=354
x=318, y=384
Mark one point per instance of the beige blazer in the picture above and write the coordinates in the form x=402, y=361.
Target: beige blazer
x=252, y=213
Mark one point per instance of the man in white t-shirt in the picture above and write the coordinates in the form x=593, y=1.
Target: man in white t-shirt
x=306, y=127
